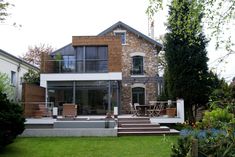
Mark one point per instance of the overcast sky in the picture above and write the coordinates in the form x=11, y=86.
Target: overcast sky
x=54, y=22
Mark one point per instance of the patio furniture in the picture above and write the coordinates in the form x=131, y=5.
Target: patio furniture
x=69, y=110
x=154, y=109
x=151, y=112
x=134, y=110
x=159, y=108
x=142, y=109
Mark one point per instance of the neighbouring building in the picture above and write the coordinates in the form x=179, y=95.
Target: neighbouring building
x=15, y=68
x=115, y=68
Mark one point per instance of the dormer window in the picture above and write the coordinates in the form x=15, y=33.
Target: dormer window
x=122, y=34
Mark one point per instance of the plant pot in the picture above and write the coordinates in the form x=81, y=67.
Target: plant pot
x=171, y=112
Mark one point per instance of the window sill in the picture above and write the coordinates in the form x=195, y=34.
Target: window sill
x=125, y=44
x=138, y=75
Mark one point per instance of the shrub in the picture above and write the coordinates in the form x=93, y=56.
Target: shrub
x=32, y=77
x=182, y=148
x=6, y=87
x=11, y=120
x=216, y=118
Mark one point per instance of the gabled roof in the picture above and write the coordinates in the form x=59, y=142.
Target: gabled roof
x=121, y=24
x=19, y=60
x=67, y=48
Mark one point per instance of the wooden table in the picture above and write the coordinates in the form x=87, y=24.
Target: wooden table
x=142, y=109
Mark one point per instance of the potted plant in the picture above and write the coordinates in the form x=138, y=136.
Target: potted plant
x=171, y=109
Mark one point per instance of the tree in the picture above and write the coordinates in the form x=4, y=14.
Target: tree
x=33, y=56
x=3, y=10
x=32, y=77
x=186, y=55
x=219, y=17
x=5, y=86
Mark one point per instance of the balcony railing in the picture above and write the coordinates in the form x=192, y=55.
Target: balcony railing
x=75, y=66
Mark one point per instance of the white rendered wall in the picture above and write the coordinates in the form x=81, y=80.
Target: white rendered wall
x=6, y=66
x=79, y=77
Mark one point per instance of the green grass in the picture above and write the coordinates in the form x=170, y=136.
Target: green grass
x=136, y=146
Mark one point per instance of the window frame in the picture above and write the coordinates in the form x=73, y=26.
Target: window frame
x=120, y=32
x=142, y=69
x=13, y=78
x=85, y=60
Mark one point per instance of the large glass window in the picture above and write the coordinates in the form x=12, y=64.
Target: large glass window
x=92, y=97
x=138, y=68
x=60, y=93
x=92, y=59
x=68, y=63
x=138, y=95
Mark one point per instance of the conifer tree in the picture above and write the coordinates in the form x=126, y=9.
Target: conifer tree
x=186, y=55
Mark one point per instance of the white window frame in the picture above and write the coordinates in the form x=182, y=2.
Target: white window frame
x=133, y=54
x=120, y=31
x=13, y=78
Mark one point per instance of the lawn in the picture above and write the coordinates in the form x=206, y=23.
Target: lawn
x=136, y=146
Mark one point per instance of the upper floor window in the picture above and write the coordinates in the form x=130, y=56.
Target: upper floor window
x=68, y=63
x=13, y=78
x=122, y=34
x=138, y=66
x=92, y=59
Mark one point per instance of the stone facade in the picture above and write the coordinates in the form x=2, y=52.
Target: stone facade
x=136, y=44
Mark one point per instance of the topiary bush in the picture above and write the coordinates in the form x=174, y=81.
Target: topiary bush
x=11, y=120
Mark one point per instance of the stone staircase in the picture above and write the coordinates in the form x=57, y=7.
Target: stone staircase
x=141, y=126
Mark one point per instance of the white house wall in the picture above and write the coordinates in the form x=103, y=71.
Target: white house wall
x=6, y=66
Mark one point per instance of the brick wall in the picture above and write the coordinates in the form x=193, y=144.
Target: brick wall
x=114, y=48
x=31, y=95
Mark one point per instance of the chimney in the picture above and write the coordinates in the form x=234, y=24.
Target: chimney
x=151, y=28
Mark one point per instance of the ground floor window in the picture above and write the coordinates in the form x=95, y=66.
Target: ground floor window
x=138, y=95
x=92, y=97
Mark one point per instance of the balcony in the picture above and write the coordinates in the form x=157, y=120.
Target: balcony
x=75, y=66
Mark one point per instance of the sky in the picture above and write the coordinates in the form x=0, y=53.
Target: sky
x=54, y=22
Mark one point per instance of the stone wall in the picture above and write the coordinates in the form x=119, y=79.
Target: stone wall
x=137, y=44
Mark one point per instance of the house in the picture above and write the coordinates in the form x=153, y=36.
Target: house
x=115, y=68
x=15, y=68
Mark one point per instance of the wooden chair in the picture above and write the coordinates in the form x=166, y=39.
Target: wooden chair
x=159, y=108
x=134, y=111
x=151, y=112
x=69, y=110
x=155, y=110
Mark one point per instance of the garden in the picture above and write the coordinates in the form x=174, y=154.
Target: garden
x=134, y=146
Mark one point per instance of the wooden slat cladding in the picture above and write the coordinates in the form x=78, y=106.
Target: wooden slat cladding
x=32, y=95
x=47, y=65
x=114, y=48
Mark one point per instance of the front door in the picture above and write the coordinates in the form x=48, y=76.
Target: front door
x=138, y=95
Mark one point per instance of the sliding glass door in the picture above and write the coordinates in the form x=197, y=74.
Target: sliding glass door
x=92, y=97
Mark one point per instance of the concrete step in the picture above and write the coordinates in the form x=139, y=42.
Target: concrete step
x=145, y=133
x=38, y=126
x=139, y=125
x=143, y=129
x=134, y=122
x=133, y=119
